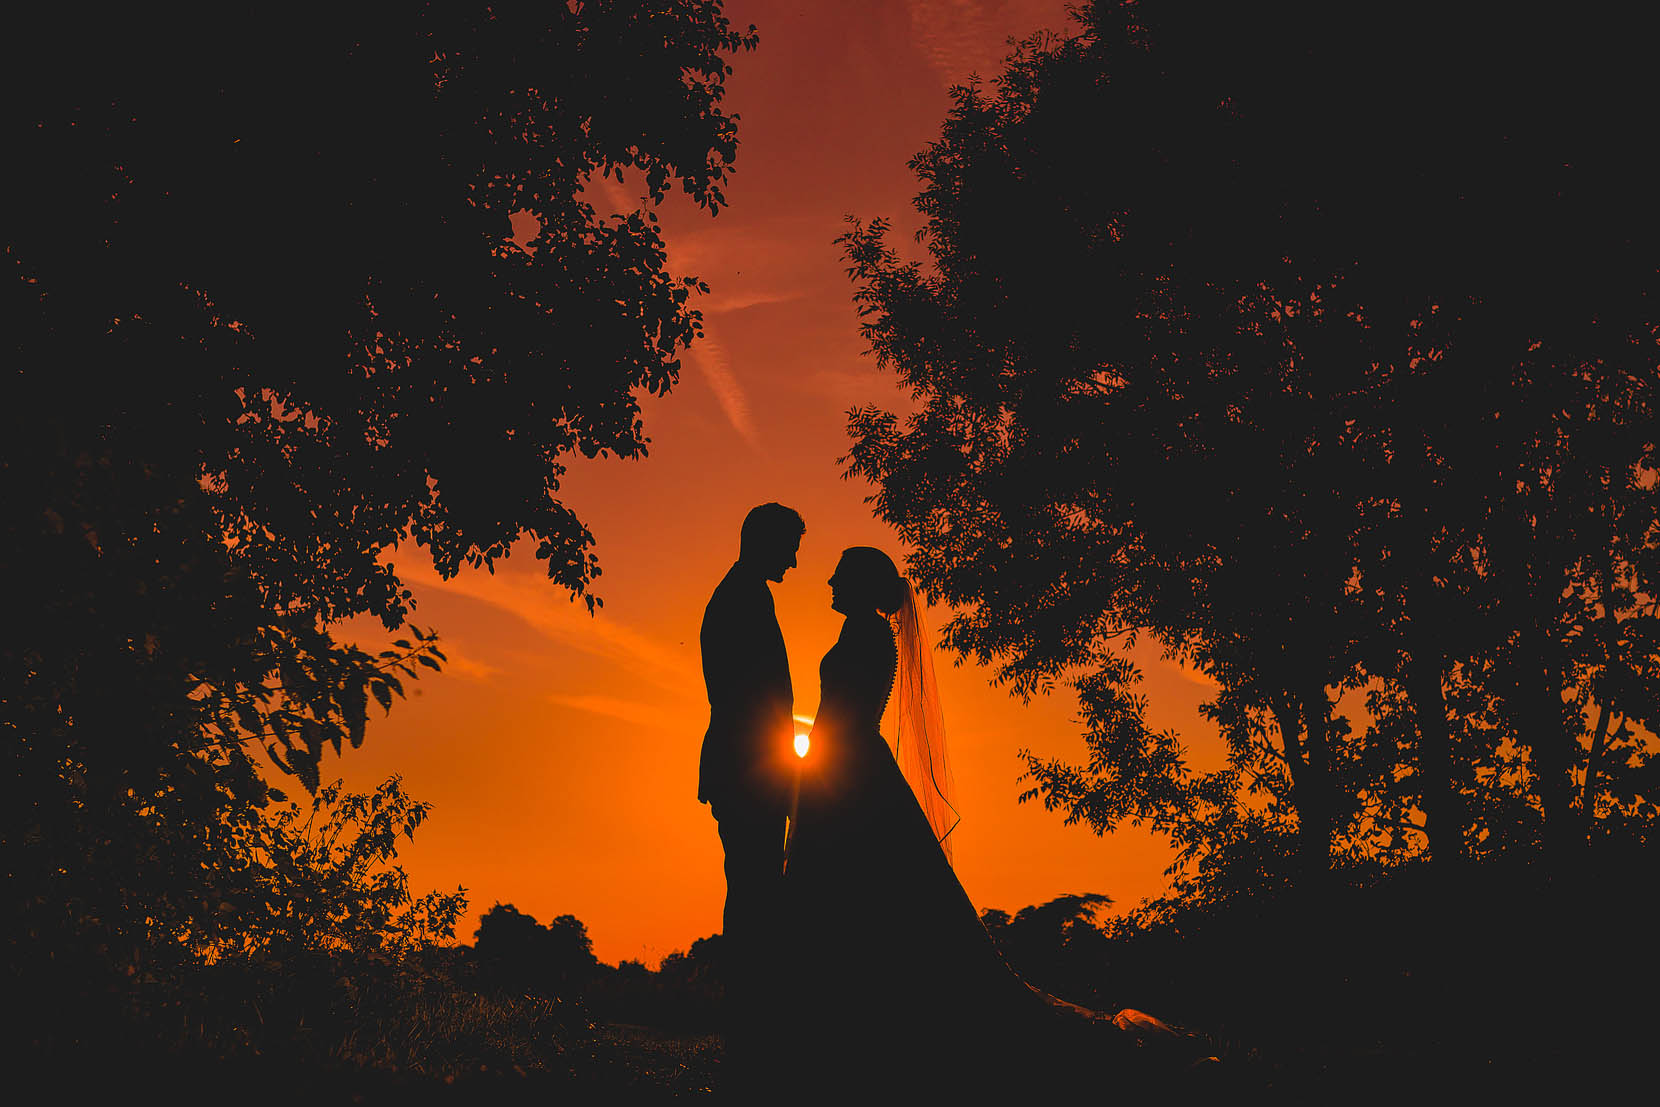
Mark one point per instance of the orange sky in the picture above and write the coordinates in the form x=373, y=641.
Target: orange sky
x=560, y=752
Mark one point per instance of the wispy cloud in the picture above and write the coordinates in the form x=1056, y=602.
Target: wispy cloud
x=711, y=360
x=965, y=37
x=688, y=251
x=547, y=609
x=462, y=665
x=738, y=301
x=862, y=385
x=610, y=197
x=1189, y=674
x=628, y=711
x=952, y=35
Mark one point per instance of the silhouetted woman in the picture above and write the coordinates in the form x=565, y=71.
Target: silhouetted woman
x=897, y=981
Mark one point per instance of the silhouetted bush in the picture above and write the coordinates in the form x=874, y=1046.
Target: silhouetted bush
x=515, y=953
x=1393, y=975
x=1057, y=946
x=684, y=994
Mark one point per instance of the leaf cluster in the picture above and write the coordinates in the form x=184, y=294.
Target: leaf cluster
x=516, y=953
x=1330, y=385
x=277, y=306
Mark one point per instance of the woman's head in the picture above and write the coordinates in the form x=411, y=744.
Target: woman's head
x=866, y=578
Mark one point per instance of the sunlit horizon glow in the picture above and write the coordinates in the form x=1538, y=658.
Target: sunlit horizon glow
x=560, y=752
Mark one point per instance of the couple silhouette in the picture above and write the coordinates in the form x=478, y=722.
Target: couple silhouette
x=855, y=959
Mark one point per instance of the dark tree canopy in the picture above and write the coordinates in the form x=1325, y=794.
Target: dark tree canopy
x=1322, y=353
x=1058, y=946
x=284, y=247
x=515, y=952
x=267, y=319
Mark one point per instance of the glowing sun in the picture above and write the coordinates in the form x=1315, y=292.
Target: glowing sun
x=801, y=744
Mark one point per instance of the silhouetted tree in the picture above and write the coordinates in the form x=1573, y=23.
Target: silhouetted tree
x=267, y=318
x=1057, y=945
x=517, y=953
x=1320, y=378
x=570, y=950
x=701, y=966
x=684, y=993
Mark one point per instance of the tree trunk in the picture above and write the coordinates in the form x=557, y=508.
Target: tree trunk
x=1445, y=816
x=1314, y=799
x=1304, y=789
x=1588, y=794
x=1548, y=750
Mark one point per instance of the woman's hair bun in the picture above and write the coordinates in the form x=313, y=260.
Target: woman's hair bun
x=897, y=592
x=879, y=577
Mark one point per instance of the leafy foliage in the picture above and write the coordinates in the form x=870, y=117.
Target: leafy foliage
x=354, y=899
x=268, y=319
x=1333, y=386
x=515, y=952
x=248, y=918
x=1058, y=946
x=515, y=956
x=684, y=994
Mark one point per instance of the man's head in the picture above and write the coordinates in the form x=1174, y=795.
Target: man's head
x=770, y=538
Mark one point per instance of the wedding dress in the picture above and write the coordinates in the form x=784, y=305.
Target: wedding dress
x=895, y=979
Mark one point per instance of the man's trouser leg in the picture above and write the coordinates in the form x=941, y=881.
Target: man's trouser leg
x=754, y=862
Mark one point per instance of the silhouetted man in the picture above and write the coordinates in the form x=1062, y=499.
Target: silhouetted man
x=745, y=768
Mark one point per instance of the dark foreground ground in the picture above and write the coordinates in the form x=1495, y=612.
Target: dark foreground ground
x=635, y=1064
x=616, y=1063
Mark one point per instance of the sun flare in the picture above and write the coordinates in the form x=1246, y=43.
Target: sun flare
x=802, y=742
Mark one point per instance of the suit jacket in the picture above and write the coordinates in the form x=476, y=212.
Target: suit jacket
x=747, y=751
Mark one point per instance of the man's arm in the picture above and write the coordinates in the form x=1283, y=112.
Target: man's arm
x=721, y=641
